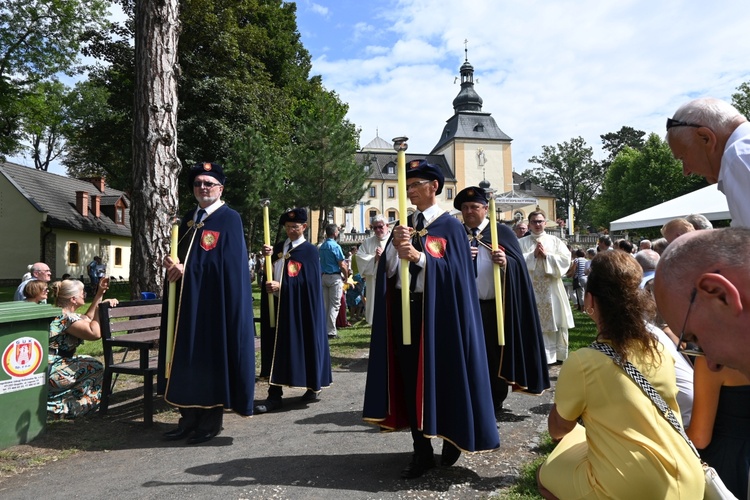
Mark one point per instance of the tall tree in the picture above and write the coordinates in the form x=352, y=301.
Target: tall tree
x=614, y=142
x=256, y=171
x=639, y=179
x=325, y=173
x=156, y=167
x=46, y=120
x=39, y=38
x=570, y=172
x=741, y=99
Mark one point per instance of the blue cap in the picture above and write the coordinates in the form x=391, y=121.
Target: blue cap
x=423, y=170
x=212, y=169
x=295, y=215
x=471, y=193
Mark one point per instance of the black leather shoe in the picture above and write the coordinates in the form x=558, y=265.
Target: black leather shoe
x=417, y=467
x=267, y=405
x=309, y=396
x=450, y=454
x=201, y=437
x=176, y=434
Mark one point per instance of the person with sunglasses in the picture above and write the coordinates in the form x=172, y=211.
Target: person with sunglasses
x=712, y=139
x=213, y=360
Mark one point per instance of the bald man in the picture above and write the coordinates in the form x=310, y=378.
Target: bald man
x=702, y=288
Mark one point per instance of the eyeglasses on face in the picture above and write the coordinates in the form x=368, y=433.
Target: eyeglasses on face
x=541, y=221
x=689, y=351
x=293, y=227
x=415, y=185
x=208, y=185
x=379, y=226
x=671, y=123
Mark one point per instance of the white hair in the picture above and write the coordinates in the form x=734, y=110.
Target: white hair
x=718, y=115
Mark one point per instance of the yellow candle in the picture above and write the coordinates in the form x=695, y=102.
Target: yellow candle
x=399, y=144
x=497, y=276
x=172, y=298
x=268, y=266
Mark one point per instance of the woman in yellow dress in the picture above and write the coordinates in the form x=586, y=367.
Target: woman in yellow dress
x=625, y=447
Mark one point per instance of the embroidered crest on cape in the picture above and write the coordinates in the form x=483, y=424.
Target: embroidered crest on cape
x=293, y=268
x=209, y=240
x=436, y=246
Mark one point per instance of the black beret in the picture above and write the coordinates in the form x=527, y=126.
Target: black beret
x=212, y=169
x=296, y=215
x=423, y=170
x=471, y=193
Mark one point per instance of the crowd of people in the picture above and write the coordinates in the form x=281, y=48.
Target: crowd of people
x=671, y=318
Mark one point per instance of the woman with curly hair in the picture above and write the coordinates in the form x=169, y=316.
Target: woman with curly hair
x=624, y=447
x=75, y=382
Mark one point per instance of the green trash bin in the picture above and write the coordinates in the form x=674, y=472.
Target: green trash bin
x=24, y=333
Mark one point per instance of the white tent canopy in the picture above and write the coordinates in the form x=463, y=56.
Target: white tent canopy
x=708, y=201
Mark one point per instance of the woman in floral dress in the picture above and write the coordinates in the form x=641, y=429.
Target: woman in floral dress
x=75, y=382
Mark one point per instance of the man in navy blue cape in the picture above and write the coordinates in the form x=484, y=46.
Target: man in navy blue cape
x=521, y=363
x=438, y=385
x=298, y=346
x=213, y=362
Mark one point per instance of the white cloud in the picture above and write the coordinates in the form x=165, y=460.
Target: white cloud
x=318, y=9
x=547, y=71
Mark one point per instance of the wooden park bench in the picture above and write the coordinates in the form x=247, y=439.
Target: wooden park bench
x=134, y=326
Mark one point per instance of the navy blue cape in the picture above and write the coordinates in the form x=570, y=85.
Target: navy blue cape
x=456, y=400
x=296, y=352
x=214, y=349
x=523, y=361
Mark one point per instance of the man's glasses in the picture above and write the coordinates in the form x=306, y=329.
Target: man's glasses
x=536, y=222
x=378, y=227
x=415, y=185
x=671, y=122
x=208, y=185
x=694, y=350
x=292, y=227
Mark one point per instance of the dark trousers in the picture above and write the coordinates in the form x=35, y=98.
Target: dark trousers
x=407, y=357
x=494, y=352
x=202, y=419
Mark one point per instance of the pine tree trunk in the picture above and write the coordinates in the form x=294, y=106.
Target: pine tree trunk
x=156, y=166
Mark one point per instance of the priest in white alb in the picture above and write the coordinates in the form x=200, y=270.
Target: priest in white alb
x=548, y=259
x=368, y=256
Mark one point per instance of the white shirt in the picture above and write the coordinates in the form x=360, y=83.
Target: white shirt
x=734, y=176
x=393, y=263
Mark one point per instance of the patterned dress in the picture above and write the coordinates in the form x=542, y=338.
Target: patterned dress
x=75, y=382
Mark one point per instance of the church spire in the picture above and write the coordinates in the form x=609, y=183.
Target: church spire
x=467, y=98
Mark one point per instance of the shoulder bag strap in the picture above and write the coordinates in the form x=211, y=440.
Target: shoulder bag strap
x=646, y=387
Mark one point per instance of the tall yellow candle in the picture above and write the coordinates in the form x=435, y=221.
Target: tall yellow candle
x=268, y=266
x=172, y=298
x=399, y=144
x=497, y=275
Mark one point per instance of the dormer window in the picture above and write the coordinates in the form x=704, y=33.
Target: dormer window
x=478, y=127
x=390, y=169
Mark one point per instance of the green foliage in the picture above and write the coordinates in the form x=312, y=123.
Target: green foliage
x=637, y=180
x=741, y=99
x=614, y=142
x=46, y=120
x=325, y=173
x=256, y=172
x=38, y=39
x=570, y=172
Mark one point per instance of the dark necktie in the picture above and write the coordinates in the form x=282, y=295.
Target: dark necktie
x=199, y=217
x=414, y=269
x=475, y=244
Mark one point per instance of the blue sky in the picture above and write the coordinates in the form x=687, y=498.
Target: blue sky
x=548, y=71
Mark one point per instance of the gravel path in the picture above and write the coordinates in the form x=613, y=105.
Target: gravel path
x=321, y=450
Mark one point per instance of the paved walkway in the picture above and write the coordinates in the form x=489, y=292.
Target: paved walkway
x=321, y=450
